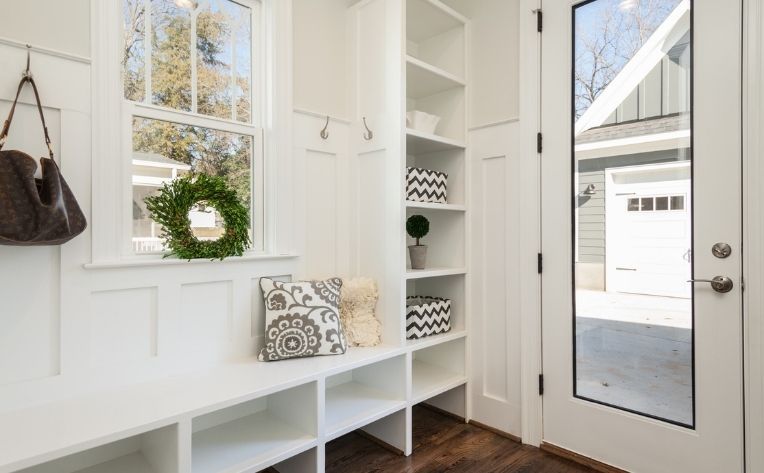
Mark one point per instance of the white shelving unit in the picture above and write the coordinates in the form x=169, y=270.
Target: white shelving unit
x=248, y=415
x=151, y=452
x=256, y=434
x=437, y=369
x=436, y=83
x=358, y=397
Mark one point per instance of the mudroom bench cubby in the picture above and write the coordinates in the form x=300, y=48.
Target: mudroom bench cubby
x=242, y=416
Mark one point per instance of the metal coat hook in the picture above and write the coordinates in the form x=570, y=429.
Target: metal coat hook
x=325, y=133
x=27, y=72
x=369, y=135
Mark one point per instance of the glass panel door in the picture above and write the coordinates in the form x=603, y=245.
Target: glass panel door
x=632, y=208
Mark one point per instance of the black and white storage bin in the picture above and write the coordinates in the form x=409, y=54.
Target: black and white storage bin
x=427, y=316
x=424, y=185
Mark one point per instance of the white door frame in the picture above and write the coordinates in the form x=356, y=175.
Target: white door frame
x=753, y=231
x=753, y=221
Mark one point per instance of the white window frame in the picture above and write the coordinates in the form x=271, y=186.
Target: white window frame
x=111, y=215
x=132, y=109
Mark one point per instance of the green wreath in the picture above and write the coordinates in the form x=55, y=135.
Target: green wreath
x=171, y=206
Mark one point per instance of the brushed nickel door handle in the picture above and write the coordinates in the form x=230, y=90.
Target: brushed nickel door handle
x=720, y=284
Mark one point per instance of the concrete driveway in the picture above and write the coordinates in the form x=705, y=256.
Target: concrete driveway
x=635, y=351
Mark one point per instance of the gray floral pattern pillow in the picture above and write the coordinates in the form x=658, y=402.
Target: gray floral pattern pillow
x=302, y=319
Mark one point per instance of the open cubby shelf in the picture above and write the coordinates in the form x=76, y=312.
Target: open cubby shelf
x=423, y=79
x=364, y=394
x=418, y=142
x=434, y=206
x=434, y=272
x=437, y=369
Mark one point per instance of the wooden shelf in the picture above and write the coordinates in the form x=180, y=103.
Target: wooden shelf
x=423, y=79
x=429, y=380
x=428, y=18
x=433, y=206
x=418, y=142
x=352, y=405
x=433, y=272
x=251, y=443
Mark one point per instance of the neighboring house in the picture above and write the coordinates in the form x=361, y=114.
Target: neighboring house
x=150, y=171
x=633, y=158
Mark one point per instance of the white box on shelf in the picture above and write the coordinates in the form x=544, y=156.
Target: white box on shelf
x=425, y=185
x=422, y=121
x=427, y=316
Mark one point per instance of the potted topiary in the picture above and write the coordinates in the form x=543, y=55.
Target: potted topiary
x=417, y=226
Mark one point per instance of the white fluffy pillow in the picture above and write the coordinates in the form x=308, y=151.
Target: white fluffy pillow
x=358, y=302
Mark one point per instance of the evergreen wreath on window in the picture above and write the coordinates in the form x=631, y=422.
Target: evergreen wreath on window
x=175, y=200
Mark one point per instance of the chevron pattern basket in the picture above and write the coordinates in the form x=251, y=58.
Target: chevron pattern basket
x=424, y=185
x=427, y=316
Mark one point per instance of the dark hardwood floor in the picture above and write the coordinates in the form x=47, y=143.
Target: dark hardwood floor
x=442, y=444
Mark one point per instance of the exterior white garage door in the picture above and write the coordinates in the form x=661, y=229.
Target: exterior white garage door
x=648, y=233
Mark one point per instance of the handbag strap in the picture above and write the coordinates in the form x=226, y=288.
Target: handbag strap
x=7, y=125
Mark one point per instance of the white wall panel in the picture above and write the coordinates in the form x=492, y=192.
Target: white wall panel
x=496, y=281
x=29, y=314
x=123, y=326
x=206, y=318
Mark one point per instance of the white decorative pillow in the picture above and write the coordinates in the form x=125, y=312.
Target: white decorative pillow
x=302, y=319
x=358, y=302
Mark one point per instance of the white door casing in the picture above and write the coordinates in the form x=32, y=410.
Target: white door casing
x=626, y=440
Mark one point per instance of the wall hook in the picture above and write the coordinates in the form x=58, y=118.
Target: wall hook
x=324, y=133
x=27, y=72
x=369, y=135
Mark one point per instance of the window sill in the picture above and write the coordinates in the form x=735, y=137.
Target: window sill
x=159, y=261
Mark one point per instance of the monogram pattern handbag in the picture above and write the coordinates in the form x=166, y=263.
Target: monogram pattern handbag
x=35, y=212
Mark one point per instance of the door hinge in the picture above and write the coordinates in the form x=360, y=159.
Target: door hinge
x=539, y=20
x=540, y=263
x=541, y=385
x=539, y=143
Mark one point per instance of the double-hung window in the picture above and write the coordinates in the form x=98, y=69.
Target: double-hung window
x=193, y=89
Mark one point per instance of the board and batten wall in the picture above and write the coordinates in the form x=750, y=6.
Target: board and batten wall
x=496, y=211
x=66, y=328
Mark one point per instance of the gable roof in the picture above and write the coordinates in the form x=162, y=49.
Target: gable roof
x=672, y=30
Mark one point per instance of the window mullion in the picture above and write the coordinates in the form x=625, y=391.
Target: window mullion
x=234, y=111
x=194, y=75
x=148, y=53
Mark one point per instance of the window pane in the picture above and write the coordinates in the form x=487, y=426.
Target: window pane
x=164, y=150
x=214, y=60
x=134, y=54
x=243, y=69
x=632, y=309
x=171, y=54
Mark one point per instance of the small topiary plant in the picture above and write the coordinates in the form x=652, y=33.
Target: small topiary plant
x=417, y=226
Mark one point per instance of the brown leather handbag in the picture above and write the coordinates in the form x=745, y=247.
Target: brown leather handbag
x=35, y=212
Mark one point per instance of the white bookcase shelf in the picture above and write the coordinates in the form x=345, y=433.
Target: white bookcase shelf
x=433, y=206
x=430, y=380
x=425, y=342
x=423, y=79
x=437, y=369
x=433, y=272
x=257, y=434
x=359, y=397
x=251, y=443
x=418, y=142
